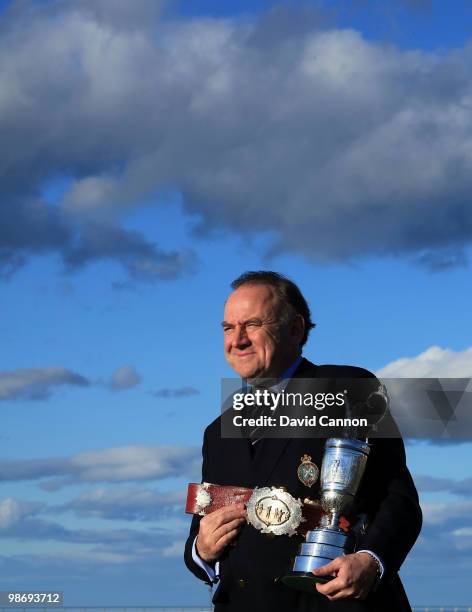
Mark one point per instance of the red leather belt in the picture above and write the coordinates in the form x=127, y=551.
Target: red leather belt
x=205, y=498
x=269, y=509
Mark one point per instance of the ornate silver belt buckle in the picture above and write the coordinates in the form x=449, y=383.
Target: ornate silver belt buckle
x=273, y=510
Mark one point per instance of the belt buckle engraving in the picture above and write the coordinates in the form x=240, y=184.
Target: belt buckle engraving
x=273, y=510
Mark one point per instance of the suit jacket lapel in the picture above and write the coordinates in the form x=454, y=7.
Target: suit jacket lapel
x=267, y=457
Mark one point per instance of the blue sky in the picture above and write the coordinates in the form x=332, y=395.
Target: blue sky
x=151, y=152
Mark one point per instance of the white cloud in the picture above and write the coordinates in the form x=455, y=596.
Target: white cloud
x=175, y=393
x=125, y=377
x=126, y=503
x=464, y=531
x=436, y=513
x=36, y=383
x=132, y=463
x=117, y=464
x=435, y=362
x=13, y=511
x=433, y=484
x=176, y=549
x=22, y=520
x=93, y=557
x=260, y=124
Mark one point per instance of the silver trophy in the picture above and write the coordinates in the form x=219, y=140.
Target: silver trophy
x=343, y=466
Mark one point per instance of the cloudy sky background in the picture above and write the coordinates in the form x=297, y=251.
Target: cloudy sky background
x=151, y=151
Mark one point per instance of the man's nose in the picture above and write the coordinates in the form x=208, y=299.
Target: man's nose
x=240, y=337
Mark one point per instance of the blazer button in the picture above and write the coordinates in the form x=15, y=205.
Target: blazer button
x=241, y=583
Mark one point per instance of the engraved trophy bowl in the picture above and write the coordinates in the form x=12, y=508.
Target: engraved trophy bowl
x=343, y=466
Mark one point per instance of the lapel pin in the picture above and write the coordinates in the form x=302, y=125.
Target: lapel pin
x=307, y=471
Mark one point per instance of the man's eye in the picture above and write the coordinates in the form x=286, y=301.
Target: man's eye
x=254, y=324
x=227, y=329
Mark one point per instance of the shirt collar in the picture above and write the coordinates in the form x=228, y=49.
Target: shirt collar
x=282, y=381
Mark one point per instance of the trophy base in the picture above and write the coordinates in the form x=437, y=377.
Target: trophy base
x=322, y=545
x=304, y=581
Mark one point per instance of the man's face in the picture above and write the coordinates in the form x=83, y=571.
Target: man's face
x=256, y=343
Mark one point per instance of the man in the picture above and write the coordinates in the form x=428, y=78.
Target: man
x=266, y=323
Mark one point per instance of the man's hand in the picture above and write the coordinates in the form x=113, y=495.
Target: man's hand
x=218, y=529
x=354, y=576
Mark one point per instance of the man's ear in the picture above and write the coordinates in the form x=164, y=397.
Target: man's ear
x=298, y=327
